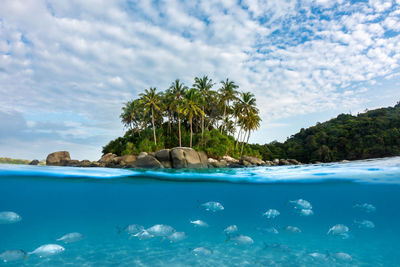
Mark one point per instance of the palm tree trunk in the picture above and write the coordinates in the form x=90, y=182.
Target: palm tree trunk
x=169, y=123
x=237, y=140
x=191, y=132
x=179, y=126
x=248, y=137
x=241, y=151
x=222, y=125
x=202, y=127
x=154, y=128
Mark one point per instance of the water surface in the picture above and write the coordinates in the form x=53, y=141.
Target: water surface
x=54, y=201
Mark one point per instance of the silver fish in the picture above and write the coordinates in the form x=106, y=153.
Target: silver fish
x=292, y=229
x=176, y=237
x=202, y=251
x=231, y=229
x=7, y=217
x=161, y=230
x=301, y=204
x=241, y=240
x=13, y=255
x=213, y=206
x=199, y=223
x=48, y=250
x=271, y=214
x=366, y=207
x=71, y=237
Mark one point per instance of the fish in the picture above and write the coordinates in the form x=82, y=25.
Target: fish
x=202, y=251
x=319, y=257
x=213, y=206
x=48, y=250
x=342, y=257
x=231, y=229
x=292, y=229
x=143, y=235
x=364, y=224
x=306, y=212
x=131, y=229
x=176, y=237
x=240, y=239
x=269, y=230
x=71, y=237
x=199, y=223
x=8, y=217
x=271, y=214
x=366, y=207
x=161, y=230
x=277, y=246
x=301, y=204
x=340, y=230
x=13, y=255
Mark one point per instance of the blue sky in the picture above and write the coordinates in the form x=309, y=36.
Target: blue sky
x=67, y=67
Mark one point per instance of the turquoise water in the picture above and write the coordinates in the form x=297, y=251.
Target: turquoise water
x=96, y=202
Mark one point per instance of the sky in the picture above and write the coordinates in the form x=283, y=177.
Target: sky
x=67, y=67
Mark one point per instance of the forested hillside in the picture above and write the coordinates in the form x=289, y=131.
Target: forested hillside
x=373, y=134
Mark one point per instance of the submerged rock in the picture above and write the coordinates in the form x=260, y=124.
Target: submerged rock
x=58, y=158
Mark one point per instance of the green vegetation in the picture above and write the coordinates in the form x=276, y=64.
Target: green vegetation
x=373, y=134
x=14, y=161
x=199, y=117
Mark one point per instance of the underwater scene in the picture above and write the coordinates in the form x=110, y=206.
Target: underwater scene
x=336, y=214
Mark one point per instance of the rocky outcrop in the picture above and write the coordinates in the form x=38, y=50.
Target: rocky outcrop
x=34, y=162
x=249, y=161
x=107, y=158
x=59, y=158
x=185, y=157
x=148, y=162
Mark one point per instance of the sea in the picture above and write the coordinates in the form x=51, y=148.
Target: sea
x=333, y=214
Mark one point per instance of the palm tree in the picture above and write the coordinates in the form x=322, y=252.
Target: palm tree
x=227, y=93
x=204, y=86
x=191, y=108
x=151, y=101
x=246, y=105
x=252, y=122
x=178, y=91
x=132, y=115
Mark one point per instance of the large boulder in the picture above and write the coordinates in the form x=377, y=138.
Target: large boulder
x=251, y=160
x=230, y=160
x=185, y=157
x=58, y=158
x=217, y=163
x=148, y=162
x=107, y=158
x=128, y=161
x=164, y=156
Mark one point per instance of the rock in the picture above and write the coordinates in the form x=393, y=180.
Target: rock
x=96, y=164
x=246, y=163
x=269, y=163
x=107, y=158
x=203, y=158
x=71, y=163
x=345, y=161
x=34, y=162
x=164, y=157
x=128, y=161
x=217, y=163
x=294, y=162
x=148, y=162
x=230, y=159
x=58, y=158
x=142, y=154
x=84, y=163
x=283, y=162
x=185, y=157
x=252, y=160
x=275, y=161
